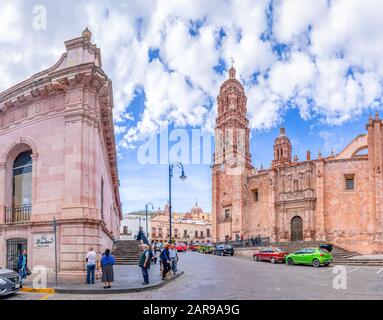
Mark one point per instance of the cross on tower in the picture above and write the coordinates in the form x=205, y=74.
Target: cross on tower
x=232, y=62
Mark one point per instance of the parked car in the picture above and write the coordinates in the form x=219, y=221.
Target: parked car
x=181, y=247
x=271, y=254
x=326, y=246
x=310, y=256
x=10, y=282
x=223, y=249
x=206, y=248
x=194, y=246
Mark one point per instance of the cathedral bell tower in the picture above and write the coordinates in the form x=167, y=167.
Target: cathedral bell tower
x=232, y=127
x=232, y=162
x=282, y=149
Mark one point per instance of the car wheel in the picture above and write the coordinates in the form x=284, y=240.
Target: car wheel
x=232, y=254
x=316, y=263
x=272, y=260
x=290, y=261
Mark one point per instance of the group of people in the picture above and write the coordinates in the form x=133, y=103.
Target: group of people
x=168, y=262
x=106, y=264
x=257, y=241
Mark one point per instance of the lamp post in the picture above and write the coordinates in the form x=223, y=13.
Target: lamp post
x=182, y=177
x=146, y=216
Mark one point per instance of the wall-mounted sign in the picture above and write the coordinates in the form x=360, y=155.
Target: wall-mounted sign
x=46, y=240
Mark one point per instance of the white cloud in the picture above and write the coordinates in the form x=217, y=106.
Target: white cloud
x=333, y=58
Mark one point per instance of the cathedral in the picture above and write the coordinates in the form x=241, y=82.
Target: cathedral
x=336, y=199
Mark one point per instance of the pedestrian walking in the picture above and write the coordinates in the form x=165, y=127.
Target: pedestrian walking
x=173, y=255
x=107, y=263
x=22, y=265
x=165, y=260
x=141, y=236
x=144, y=263
x=153, y=257
x=90, y=266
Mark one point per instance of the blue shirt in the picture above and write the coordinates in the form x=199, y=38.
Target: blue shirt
x=105, y=260
x=164, y=256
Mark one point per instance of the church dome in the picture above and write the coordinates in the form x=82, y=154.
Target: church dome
x=282, y=138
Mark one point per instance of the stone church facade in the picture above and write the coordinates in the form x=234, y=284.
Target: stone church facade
x=338, y=199
x=58, y=160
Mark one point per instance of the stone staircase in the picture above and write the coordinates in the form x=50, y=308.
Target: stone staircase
x=126, y=252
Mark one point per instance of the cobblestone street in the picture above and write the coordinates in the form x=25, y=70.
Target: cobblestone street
x=216, y=277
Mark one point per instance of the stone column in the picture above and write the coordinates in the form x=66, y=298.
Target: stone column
x=272, y=206
x=2, y=192
x=73, y=154
x=375, y=158
x=320, y=220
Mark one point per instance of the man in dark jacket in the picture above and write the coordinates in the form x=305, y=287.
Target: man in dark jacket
x=164, y=256
x=144, y=263
x=22, y=264
x=141, y=236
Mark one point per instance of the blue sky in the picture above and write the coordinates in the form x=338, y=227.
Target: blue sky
x=312, y=65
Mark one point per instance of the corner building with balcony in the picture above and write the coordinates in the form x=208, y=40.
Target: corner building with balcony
x=337, y=199
x=58, y=160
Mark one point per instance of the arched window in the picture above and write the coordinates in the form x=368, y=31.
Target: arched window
x=22, y=180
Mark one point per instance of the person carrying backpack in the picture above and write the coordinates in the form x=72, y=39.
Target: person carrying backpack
x=144, y=263
x=165, y=260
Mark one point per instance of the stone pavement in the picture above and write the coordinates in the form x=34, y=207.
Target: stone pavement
x=127, y=279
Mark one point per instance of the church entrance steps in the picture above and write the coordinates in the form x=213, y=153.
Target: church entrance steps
x=126, y=252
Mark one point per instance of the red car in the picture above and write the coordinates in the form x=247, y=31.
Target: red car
x=181, y=247
x=194, y=246
x=271, y=254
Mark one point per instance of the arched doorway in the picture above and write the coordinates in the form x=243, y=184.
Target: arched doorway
x=296, y=229
x=14, y=249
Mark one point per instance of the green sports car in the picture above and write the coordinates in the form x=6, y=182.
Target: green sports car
x=309, y=256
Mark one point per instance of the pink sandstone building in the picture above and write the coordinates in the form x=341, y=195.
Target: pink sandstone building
x=58, y=160
x=338, y=199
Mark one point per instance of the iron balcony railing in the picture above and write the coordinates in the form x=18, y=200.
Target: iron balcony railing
x=18, y=213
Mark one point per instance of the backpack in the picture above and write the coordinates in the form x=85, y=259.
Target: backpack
x=163, y=255
x=143, y=258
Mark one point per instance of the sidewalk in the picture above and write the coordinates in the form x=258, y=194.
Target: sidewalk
x=126, y=279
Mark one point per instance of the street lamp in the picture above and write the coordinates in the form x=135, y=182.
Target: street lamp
x=182, y=177
x=146, y=214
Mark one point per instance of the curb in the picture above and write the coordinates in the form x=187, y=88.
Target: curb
x=116, y=291
x=42, y=290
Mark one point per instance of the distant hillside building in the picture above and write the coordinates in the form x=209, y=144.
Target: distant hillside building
x=338, y=198
x=131, y=224
x=194, y=225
